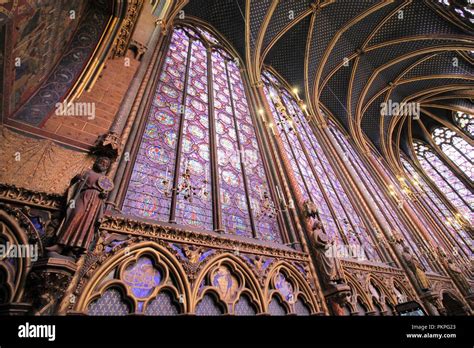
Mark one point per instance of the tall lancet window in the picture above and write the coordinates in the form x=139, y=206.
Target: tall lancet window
x=458, y=238
x=456, y=149
x=386, y=211
x=199, y=163
x=314, y=175
x=455, y=191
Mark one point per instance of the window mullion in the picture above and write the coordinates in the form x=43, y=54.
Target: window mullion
x=182, y=112
x=215, y=181
x=239, y=146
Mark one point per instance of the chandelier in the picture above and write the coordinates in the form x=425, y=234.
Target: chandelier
x=264, y=207
x=185, y=186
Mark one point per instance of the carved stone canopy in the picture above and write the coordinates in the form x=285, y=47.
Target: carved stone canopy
x=310, y=209
x=107, y=145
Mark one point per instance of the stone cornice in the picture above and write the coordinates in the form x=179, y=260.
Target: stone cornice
x=14, y=194
x=125, y=225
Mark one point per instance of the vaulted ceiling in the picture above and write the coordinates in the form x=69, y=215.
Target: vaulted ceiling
x=350, y=56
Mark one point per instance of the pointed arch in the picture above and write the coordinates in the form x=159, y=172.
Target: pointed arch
x=156, y=266
x=229, y=278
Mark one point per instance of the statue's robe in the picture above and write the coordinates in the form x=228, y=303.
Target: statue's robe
x=78, y=229
x=416, y=268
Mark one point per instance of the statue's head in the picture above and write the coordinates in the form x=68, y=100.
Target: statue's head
x=102, y=164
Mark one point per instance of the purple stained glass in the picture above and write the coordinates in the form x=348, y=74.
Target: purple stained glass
x=181, y=102
x=195, y=158
x=465, y=122
x=458, y=150
x=448, y=183
x=381, y=203
x=462, y=241
x=146, y=196
x=266, y=225
x=314, y=166
x=235, y=211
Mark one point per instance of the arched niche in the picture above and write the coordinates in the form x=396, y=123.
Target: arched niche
x=382, y=298
x=231, y=283
x=359, y=296
x=145, y=278
x=286, y=289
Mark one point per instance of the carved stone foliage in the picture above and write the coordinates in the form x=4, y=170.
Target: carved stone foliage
x=122, y=225
x=21, y=196
x=38, y=164
x=188, y=270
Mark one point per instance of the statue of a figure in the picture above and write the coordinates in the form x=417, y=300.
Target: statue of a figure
x=459, y=276
x=85, y=199
x=415, y=266
x=328, y=264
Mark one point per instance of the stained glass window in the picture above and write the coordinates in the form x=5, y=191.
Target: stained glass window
x=465, y=122
x=312, y=170
x=200, y=130
x=448, y=183
x=456, y=149
x=462, y=9
x=459, y=239
x=381, y=204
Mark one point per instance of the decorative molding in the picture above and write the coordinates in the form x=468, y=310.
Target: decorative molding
x=347, y=264
x=126, y=30
x=125, y=225
x=14, y=194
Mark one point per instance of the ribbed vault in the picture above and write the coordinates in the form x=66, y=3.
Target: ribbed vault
x=353, y=55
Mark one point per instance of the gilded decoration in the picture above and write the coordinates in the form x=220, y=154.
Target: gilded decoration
x=38, y=164
x=125, y=225
x=143, y=265
x=128, y=25
x=290, y=290
x=225, y=249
